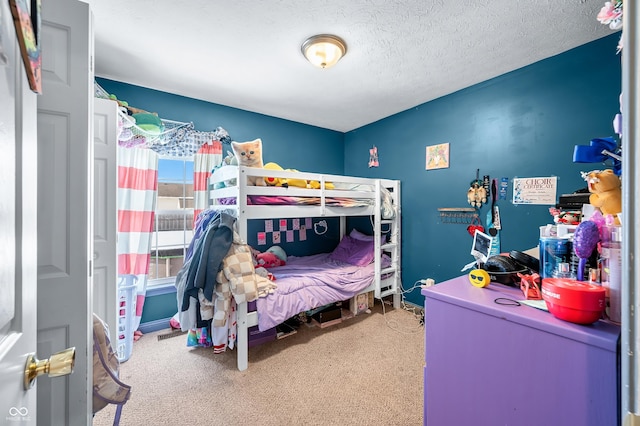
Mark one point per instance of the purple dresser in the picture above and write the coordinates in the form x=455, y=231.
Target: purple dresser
x=491, y=364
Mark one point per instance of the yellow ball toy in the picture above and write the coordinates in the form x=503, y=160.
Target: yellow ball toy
x=479, y=278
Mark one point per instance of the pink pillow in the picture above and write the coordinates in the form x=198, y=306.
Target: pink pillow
x=352, y=251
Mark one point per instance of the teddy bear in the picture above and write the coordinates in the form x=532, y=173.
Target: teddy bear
x=606, y=192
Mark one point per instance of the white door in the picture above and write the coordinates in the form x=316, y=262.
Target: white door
x=65, y=207
x=105, y=180
x=18, y=144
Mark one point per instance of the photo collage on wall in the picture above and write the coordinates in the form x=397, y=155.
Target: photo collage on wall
x=284, y=230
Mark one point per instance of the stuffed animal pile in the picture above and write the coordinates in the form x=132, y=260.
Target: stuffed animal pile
x=249, y=154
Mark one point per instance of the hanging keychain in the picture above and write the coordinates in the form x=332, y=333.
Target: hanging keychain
x=477, y=195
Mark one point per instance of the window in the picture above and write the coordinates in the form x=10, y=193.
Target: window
x=173, y=227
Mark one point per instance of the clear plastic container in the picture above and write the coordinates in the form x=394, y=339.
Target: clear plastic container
x=611, y=271
x=126, y=316
x=553, y=253
x=563, y=270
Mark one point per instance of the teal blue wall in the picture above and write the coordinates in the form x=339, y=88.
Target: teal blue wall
x=521, y=124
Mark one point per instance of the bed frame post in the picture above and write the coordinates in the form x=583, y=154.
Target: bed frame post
x=242, y=337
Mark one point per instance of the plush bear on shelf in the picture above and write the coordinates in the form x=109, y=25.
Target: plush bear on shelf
x=606, y=192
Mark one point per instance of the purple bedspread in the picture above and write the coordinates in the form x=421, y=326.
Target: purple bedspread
x=308, y=282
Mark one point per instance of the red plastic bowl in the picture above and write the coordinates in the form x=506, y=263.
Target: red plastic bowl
x=574, y=301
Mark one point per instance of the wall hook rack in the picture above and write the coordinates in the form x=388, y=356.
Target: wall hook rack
x=457, y=215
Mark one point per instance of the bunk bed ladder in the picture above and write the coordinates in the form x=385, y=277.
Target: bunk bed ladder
x=391, y=285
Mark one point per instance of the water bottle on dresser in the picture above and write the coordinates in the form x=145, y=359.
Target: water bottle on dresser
x=611, y=270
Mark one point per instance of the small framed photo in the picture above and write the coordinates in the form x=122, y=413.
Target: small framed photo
x=438, y=156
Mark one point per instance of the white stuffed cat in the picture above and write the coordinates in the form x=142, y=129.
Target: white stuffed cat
x=249, y=154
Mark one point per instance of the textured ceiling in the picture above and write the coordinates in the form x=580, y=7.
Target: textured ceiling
x=246, y=54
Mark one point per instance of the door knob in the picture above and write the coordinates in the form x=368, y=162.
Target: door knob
x=60, y=364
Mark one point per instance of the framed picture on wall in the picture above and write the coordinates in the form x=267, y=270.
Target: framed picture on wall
x=28, y=26
x=438, y=156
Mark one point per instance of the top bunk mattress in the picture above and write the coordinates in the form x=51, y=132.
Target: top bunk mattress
x=288, y=200
x=233, y=186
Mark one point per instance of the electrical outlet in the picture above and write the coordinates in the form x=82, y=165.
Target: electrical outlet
x=426, y=282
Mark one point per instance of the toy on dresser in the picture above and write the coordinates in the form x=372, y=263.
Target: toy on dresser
x=606, y=193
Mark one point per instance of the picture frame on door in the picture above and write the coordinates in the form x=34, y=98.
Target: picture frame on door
x=28, y=26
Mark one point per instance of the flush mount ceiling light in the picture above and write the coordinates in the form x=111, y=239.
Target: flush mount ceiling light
x=324, y=50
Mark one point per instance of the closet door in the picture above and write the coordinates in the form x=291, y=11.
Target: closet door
x=105, y=191
x=65, y=237
x=17, y=229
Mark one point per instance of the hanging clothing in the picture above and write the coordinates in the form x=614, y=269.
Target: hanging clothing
x=208, y=224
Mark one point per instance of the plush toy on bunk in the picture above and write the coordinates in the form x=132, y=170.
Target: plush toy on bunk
x=274, y=256
x=284, y=182
x=249, y=154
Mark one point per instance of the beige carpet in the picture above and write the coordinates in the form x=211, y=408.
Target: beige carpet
x=368, y=370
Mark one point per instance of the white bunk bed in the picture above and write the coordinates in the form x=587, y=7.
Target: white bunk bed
x=361, y=195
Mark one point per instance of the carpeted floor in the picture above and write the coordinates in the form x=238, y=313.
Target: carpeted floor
x=367, y=370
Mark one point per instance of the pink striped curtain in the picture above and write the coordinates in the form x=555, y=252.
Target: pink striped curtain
x=208, y=156
x=137, y=190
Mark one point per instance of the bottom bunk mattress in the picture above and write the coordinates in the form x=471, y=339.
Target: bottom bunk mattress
x=308, y=282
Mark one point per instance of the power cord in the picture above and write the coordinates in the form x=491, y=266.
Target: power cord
x=395, y=326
